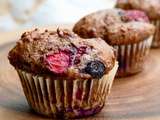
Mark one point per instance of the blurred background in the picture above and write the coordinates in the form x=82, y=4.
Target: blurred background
x=16, y=14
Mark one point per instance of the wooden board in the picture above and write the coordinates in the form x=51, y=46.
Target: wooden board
x=131, y=98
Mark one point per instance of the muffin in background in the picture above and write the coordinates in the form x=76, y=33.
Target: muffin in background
x=63, y=75
x=151, y=8
x=129, y=32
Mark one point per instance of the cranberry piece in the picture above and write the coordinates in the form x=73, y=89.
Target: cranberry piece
x=57, y=62
x=80, y=51
x=135, y=15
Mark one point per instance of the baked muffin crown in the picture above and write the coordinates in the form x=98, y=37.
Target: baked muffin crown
x=115, y=26
x=61, y=53
x=151, y=7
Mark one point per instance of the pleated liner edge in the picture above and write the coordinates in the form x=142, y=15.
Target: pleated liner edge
x=66, y=98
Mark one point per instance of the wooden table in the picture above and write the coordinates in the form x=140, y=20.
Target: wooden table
x=131, y=98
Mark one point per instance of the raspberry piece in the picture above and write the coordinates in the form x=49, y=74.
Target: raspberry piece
x=57, y=62
x=80, y=51
x=77, y=59
x=135, y=15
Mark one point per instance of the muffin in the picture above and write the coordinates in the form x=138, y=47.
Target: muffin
x=151, y=8
x=127, y=31
x=63, y=75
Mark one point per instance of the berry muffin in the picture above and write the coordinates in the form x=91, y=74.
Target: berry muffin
x=151, y=8
x=63, y=75
x=127, y=31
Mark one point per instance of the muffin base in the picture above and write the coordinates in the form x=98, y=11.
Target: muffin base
x=61, y=98
x=131, y=57
x=156, y=38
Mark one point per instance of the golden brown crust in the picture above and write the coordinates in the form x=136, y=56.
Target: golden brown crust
x=129, y=33
x=111, y=26
x=151, y=7
x=29, y=52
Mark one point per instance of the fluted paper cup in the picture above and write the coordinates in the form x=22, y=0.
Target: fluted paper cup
x=156, y=38
x=61, y=98
x=131, y=57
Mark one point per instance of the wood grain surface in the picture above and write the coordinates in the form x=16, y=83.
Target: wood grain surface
x=131, y=98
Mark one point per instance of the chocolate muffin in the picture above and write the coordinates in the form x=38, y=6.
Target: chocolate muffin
x=63, y=75
x=129, y=32
x=151, y=8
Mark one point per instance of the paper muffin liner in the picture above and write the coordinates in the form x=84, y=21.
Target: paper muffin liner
x=131, y=57
x=61, y=98
x=156, y=38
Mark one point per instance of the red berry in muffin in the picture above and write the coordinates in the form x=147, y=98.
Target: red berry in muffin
x=80, y=51
x=57, y=62
x=135, y=15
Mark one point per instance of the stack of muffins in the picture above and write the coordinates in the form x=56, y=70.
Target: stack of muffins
x=67, y=74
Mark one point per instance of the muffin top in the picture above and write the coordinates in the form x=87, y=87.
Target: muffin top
x=115, y=26
x=62, y=53
x=151, y=7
